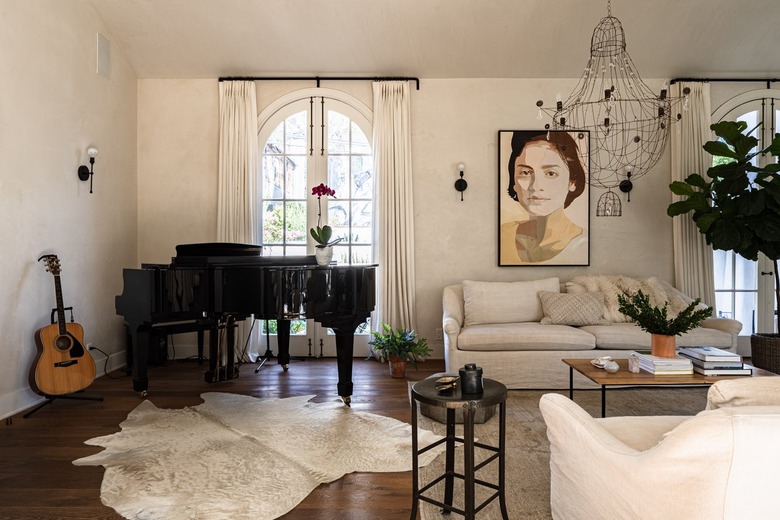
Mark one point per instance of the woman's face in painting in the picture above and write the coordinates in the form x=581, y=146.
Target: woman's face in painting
x=541, y=179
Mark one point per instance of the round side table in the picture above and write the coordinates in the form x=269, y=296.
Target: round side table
x=493, y=393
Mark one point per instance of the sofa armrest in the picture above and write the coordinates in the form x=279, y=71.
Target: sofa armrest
x=750, y=391
x=724, y=324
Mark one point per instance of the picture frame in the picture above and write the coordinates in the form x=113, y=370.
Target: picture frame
x=543, y=197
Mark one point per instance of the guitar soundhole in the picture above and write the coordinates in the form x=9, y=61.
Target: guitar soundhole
x=63, y=343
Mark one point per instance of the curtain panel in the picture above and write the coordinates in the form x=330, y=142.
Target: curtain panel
x=394, y=229
x=236, y=196
x=693, y=263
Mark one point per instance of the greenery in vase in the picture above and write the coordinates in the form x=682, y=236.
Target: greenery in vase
x=399, y=342
x=656, y=320
x=738, y=208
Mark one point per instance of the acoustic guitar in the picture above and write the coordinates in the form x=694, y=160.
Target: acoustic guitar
x=62, y=365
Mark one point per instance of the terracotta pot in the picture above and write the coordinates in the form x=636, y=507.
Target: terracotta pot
x=397, y=366
x=662, y=345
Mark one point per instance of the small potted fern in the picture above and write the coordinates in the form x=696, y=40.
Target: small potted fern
x=398, y=347
x=659, y=324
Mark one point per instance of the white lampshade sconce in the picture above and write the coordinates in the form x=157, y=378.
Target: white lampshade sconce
x=461, y=183
x=86, y=173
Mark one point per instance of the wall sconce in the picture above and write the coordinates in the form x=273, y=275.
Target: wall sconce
x=86, y=173
x=461, y=183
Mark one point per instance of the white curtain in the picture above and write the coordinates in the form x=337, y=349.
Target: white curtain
x=693, y=269
x=394, y=232
x=236, y=215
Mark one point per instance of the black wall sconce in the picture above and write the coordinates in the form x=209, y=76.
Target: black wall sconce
x=461, y=183
x=626, y=186
x=86, y=173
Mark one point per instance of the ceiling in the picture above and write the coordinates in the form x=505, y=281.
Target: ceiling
x=438, y=38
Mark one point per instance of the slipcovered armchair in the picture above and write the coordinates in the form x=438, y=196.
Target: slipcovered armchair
x=720, y=464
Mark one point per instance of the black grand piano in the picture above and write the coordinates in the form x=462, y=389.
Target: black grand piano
x=210, y=286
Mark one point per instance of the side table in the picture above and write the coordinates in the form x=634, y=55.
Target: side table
x=494, y=393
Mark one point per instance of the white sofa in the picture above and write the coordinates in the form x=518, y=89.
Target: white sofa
x=504, y=328
x=720, y=464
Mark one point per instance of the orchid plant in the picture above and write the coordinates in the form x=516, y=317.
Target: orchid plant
x=322, y=234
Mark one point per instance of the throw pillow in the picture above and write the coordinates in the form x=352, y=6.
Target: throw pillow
x=504, y=302
x=576, y=309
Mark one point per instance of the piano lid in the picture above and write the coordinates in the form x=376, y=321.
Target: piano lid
x=218, y=249
x=225, y=253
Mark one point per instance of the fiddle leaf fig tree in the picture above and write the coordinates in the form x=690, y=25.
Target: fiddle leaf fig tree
x=737, y=208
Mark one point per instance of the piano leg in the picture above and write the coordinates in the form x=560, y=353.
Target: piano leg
x=140, y=346
x=345, y=346
x=283, y=346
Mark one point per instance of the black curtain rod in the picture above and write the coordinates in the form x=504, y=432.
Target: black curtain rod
x=728, y=80
x=319, y=78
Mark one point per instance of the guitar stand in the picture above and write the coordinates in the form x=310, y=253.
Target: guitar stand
x=50, y=399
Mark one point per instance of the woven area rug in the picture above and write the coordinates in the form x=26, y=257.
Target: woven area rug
x=208, y=461
x=528, y=450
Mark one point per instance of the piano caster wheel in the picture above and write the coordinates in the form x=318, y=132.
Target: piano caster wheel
x=285, y=367
x=143, y=393
x=347, y=400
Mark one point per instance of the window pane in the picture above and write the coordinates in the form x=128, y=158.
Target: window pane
x=295, y=229
x=273, y=223
x=338, y=214
x=275, y=143
x=338, y=132
x=361, y=222
x=296, y=251
x=273, y=167
x=296, y=134
x=361, y=254
x=296, y=177
x=722, y=266
x=273, y=250
x=746, y=274
x=362, y=177
x=341, y=254
x=338, y=175
x=359, y=141
x=724, y=302
x=745, y=311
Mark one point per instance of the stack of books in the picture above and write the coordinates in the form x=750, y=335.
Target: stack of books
x=663, y=366
x=711, y=361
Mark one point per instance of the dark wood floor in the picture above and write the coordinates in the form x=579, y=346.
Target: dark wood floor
x=39, y=481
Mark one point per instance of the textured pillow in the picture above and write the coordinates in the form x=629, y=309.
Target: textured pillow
x=504, y=302
x=575, y=309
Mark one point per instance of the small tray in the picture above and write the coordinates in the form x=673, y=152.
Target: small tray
x=446, y=383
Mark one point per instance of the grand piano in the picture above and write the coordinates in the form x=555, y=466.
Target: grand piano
x=211, y=286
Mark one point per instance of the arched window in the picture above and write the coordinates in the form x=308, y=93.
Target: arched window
x=306, y=138
x=745, y=289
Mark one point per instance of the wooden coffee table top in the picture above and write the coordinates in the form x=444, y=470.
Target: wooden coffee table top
x=624, y=377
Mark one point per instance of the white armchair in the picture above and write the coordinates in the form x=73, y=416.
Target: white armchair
x=720, y=464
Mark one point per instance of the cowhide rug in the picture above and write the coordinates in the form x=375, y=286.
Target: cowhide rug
x=208, y=461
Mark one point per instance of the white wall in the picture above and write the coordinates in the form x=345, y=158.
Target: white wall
x=452, y=121
x=52, y=106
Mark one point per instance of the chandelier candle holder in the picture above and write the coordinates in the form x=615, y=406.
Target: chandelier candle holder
x=628, y=122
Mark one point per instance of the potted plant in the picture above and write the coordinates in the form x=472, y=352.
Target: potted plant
x=322, y=234
x=398, y=347
x=738, y=209
x=657, y=322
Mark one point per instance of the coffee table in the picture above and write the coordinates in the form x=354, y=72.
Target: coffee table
x=625, y=378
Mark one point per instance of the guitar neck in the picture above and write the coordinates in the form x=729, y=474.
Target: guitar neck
x=60, y=305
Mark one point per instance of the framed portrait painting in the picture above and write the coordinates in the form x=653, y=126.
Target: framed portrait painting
x=543, y=197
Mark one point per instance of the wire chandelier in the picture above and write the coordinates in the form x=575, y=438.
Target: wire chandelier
x=628, y=122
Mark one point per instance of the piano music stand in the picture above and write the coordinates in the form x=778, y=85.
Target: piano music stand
x=50, y=398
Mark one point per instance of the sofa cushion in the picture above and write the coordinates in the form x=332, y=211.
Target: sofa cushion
x=504, y=302
x=629, y=336
x=524, y=336
x=572, y=309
